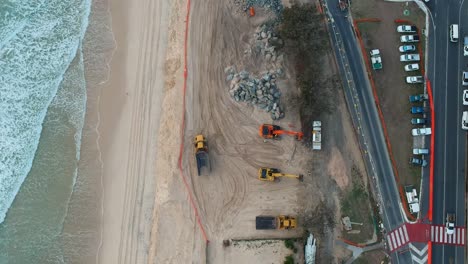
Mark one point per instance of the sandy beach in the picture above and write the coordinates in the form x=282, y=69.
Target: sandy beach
x=130, y=115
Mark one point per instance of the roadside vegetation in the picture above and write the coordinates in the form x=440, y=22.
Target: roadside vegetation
x=355, y=204
x=306, y=41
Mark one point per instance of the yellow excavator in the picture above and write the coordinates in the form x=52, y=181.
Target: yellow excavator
x=272, y=174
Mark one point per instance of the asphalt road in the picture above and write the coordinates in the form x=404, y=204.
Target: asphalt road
x=446, y=63
x=371, y=127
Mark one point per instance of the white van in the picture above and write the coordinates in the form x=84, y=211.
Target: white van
x=454, y=32
x=465, y=120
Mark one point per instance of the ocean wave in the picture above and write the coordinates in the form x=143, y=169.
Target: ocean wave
x=38, y=41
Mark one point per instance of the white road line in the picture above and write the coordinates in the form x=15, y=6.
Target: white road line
x=445, y=237
x=463, y=237
x=394, y=242
x=441, y=233
x=402, y=236
x=390, y=243
x=432, y=233
x=406, y=233
x=397, y=238
x=458, y=236
x=436, y=232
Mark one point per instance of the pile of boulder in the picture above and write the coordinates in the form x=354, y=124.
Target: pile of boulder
x=260, y=92
x=264, y=42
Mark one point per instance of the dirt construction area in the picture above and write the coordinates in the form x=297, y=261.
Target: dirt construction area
x=231, y=196
x=392, y=90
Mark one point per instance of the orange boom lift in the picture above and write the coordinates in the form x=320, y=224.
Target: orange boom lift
x=274, y=132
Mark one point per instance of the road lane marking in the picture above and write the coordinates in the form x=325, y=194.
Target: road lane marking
x=393, y=239
x=390, y=243
x=406, y=233
x=401, y=235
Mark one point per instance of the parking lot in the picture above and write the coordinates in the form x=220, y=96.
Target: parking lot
x=391, y=85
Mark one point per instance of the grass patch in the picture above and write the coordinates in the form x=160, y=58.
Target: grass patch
x=289, y=260
x=355, y=204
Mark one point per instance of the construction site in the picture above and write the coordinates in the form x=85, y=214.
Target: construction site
x=265, y=161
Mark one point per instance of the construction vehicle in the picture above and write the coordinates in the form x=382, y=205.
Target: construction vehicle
x=201, y=155
x=274, y=132
x=271, y=174
x=316, y=135
x=450, y=224
x=275, y=222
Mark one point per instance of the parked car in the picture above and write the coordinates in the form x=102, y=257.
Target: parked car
x=407, y=48
x=420, y=151
x=418, y=98
x=409, y=38
x=465, y=120
x=414, y=79
x=465, y=78
x=409, y=57
x=418, y=110
x=418, y=162
x=465, y=97
x=418, y=121
x=406, y=29
x=421, y=131
x=412, y=67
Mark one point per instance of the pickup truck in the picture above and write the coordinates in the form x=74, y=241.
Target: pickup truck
x=414, y=79
x=418, y=98
x=409, y=38
x=450, y=224
x=410, y=57
x=376, y=59
x=421, y=131
x=406, y=29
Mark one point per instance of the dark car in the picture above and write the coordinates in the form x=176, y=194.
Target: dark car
x=418, y=109
x=418, y=98
x=418, y=121
x=418, y=162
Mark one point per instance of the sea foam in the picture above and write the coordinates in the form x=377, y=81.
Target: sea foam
x=38, y=41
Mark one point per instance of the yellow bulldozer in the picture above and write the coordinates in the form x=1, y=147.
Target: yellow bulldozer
x=272, y=174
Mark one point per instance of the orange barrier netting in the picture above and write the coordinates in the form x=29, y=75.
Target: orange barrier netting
x=182, y=131
x=379, y=110
x=349, y=242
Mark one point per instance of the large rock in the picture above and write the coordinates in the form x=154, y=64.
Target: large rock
x=244, y=75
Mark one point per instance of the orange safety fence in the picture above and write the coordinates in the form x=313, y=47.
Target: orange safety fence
x=379, y=110
x=182, y=129
x=352, y=243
